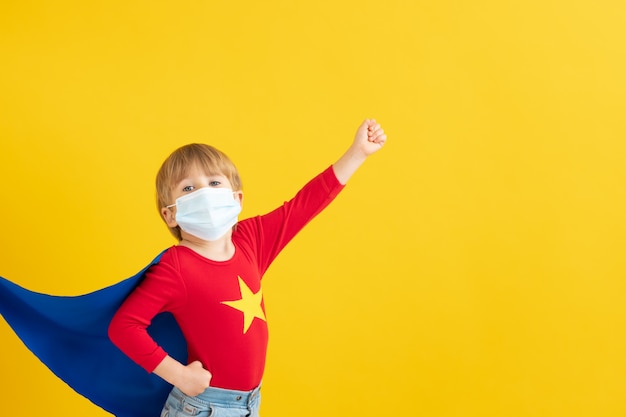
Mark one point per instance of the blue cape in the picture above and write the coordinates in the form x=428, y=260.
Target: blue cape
x=70, y=336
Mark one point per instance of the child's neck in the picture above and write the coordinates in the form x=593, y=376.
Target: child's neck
x=218, y=250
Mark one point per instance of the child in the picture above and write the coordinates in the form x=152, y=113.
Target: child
x=211, y=281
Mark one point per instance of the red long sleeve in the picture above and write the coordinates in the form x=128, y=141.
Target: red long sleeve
x=219, y=305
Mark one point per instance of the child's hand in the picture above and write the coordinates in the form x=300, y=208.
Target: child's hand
x=195, y=380
x=370, y=137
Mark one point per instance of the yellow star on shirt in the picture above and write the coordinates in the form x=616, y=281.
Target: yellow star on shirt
x=249, y=305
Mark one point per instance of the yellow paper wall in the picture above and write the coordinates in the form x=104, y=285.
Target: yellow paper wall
x=474, y=267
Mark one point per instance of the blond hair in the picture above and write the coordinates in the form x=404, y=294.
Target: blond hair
x=176, y=167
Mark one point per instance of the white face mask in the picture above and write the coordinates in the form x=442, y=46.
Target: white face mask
x=207, y=213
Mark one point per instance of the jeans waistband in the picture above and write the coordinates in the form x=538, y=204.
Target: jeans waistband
x=221, y=396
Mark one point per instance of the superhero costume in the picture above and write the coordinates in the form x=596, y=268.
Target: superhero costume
x=69, y=334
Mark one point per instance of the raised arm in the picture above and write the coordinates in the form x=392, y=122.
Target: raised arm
x=369, y=138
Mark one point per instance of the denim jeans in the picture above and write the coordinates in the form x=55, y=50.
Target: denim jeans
x=213, y=402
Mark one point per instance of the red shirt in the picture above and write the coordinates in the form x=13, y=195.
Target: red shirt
x=219, y=305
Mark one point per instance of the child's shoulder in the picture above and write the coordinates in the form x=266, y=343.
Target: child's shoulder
x=177, y=252
x=171, y=256
x=171, y=260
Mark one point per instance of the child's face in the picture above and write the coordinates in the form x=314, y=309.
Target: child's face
x=195, y=179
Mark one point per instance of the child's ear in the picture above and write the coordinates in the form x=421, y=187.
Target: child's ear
x=169, y=216
x=239, y=197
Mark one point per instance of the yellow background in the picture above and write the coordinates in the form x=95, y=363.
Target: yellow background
x=474, y=267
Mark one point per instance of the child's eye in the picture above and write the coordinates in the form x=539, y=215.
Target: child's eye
x=188, y=188
x=214, y=183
